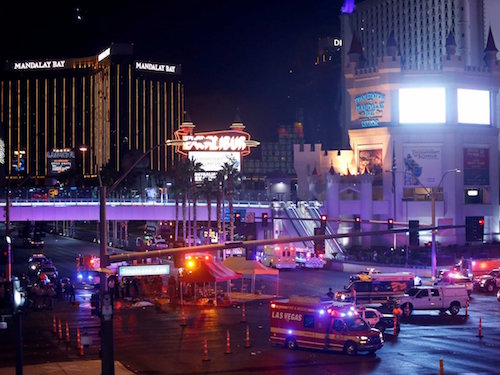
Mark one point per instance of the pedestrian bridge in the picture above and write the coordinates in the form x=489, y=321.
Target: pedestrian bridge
x=88, y=210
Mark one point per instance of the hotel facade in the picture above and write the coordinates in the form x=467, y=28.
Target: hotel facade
x=111, y=103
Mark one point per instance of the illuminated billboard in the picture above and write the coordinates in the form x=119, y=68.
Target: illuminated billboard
x=212, y=162
x=149, y=270
x=370, y=109
x=476, y=166
x=424, y=105
x=422, y=165
x=60, y=161
x=473, y=106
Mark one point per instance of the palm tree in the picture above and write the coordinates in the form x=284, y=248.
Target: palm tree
x=181, y=185
x=220, y=190
x=206, y=189
x=188, y=169
x=230, y=174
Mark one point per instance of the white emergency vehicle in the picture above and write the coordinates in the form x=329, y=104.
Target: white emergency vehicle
x=309, y=322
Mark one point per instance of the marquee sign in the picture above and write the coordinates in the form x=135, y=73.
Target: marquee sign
x=224, y=140
x=60, y=160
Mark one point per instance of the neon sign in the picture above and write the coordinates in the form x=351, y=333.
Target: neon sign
x=226, y=141
x=370, y=108
x=34, y=65
x=154, y=67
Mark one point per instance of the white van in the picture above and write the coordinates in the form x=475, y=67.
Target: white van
x=450, y=297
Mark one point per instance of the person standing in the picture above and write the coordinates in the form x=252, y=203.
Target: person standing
x=353, y=295
x=330, y=293
x=72, y=296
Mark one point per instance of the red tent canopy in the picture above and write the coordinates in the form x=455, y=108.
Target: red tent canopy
x=210, y=272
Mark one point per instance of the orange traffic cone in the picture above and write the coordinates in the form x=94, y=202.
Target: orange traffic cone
x=467, y=308
x=67, y=333
x=54, y=324
x=228, y=343
x=479, y=334
x=81, y=349
x=205, y=352
x=441, y=367
x=247, y=339
x=183, y=318
x=243, y=314
x=395, y=331
x=59, y=329
x=78, y=339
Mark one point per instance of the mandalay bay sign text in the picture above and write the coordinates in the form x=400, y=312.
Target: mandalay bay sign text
x=36, y=65
x=155, y=67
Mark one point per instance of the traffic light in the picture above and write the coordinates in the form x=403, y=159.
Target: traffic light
x=323, y=222
x=414, y=225
x=390, y=224
x=474, y=228
x=237, y=218
x=265, y=217
x=319, y=244
x=357, y=224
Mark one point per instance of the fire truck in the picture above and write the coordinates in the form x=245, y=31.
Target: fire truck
x=309, y=322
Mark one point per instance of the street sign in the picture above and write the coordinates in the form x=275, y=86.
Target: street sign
x=149, y=270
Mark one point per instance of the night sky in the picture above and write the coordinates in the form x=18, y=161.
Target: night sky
x=235, y=54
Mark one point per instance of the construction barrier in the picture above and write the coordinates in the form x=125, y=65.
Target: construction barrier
x=479, y=333
x=59, y=329
x=183, y=318
x=441, y=367
x=67, y=333
x=243, y=314
x=54, y=324
x=228, y=343
x=395, y=331
x=78, y=339
x=247, y=339
x=467, y=308
x=205, y=351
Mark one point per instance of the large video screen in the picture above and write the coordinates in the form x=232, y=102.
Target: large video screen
x=213, y=161
x=473, y=106
x=424, y=105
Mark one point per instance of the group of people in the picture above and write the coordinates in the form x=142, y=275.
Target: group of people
x=44, y=294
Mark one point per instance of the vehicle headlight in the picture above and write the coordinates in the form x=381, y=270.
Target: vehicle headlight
x=363, y=338
x=33, y=267
x=80, y=276
x=90, y=277
x=342, y=297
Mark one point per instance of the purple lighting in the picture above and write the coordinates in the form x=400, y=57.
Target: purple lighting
x=348, y=7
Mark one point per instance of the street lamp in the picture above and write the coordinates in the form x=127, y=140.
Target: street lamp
x=432, y=194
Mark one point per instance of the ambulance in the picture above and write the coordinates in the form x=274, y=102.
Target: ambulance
x=279, y=256
x=309, y=322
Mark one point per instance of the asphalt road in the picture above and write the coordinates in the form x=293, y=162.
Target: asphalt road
x=151, y=342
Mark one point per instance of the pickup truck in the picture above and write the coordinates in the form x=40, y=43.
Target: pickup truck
x=442, y=298
x=488, y=282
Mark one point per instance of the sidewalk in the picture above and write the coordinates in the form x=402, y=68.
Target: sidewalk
x=66, y=368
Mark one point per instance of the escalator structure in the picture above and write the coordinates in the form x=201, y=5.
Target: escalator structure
x=332, y=246
x=295, y=225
